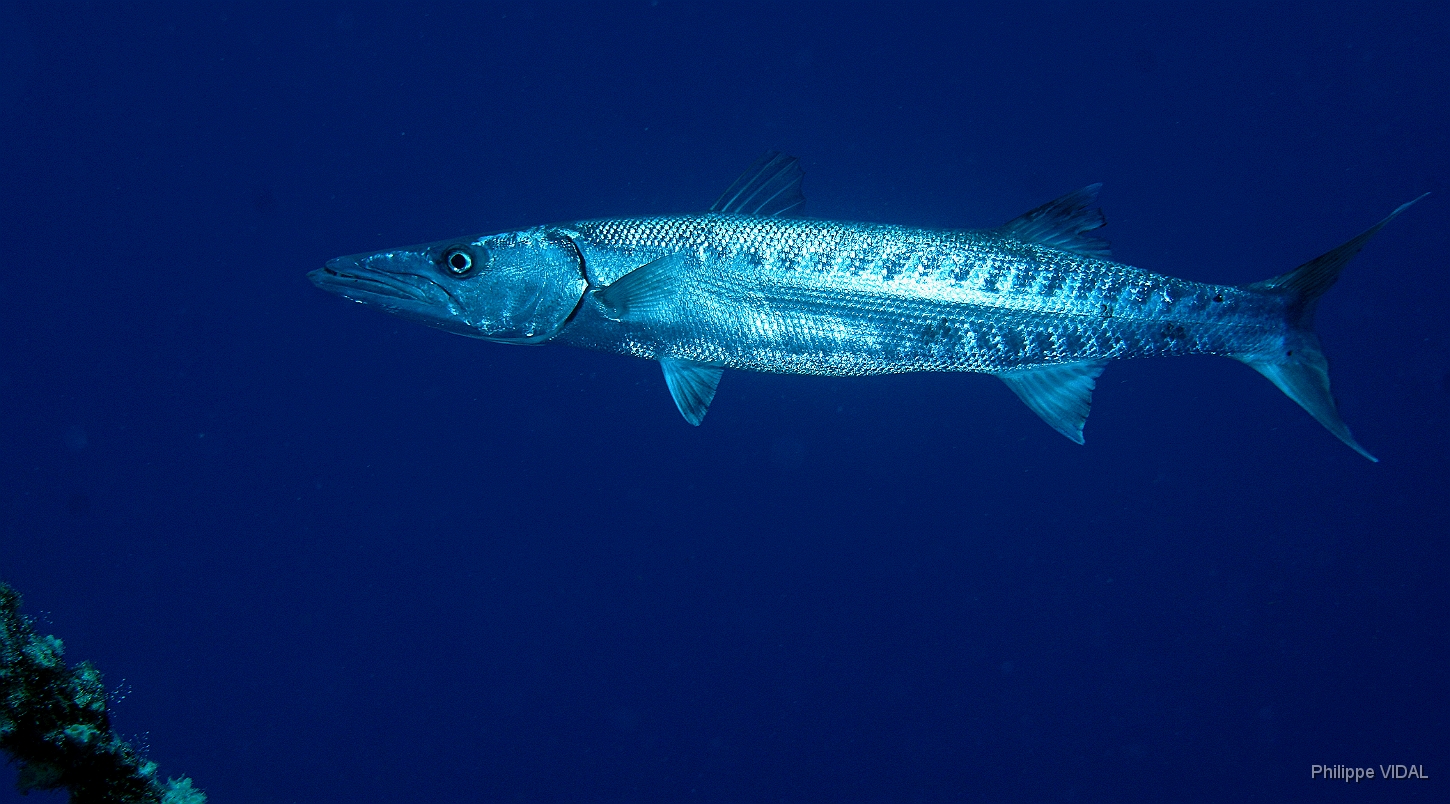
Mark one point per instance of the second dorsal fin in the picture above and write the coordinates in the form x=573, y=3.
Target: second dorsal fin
x=1063, y=224
x=770, y=187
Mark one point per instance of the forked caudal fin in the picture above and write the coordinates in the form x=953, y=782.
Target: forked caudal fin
x=1062, y=394
x=1301, y=371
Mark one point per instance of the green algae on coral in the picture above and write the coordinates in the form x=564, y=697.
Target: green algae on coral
x=53, y=722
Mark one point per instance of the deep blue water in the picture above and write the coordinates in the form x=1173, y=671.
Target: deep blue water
x=336, y=556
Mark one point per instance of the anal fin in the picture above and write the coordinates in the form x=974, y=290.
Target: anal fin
x=692, y=385
x=1062, y=394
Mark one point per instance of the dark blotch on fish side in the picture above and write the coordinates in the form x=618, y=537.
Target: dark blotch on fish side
x=942, y=331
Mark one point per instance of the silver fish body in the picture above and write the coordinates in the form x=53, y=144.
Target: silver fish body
x=800, y=296
x=750, y=285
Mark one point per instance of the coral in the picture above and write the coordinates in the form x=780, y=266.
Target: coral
x=53, y=722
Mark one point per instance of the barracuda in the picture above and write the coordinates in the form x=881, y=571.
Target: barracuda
x=752, y=285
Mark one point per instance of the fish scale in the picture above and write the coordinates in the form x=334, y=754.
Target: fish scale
x=828, y=297
x=751, y=285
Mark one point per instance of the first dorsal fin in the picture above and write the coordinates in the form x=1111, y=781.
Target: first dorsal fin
x=1063, y=224
x=770, y=187
x=1062, y=395
x=692, y=385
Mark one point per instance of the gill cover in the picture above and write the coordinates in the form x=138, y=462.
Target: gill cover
x=519, y=287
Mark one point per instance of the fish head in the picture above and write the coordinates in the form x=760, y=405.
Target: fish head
x=512, y=287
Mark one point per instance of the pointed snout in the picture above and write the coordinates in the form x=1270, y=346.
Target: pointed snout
x=334, y=268
x=367, y=281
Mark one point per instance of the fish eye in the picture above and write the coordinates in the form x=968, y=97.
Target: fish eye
x=457, y=261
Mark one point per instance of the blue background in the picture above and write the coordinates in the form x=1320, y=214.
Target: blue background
x=336, y=556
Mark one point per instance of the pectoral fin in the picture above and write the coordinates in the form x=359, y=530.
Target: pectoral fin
x=1062, y=395
x=644, y=290
x=692, y=385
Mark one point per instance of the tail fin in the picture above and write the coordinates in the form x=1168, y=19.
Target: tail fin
x=1302, y=372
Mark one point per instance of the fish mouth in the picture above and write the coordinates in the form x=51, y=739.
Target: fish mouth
x=346, y=276
x=408, y=295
